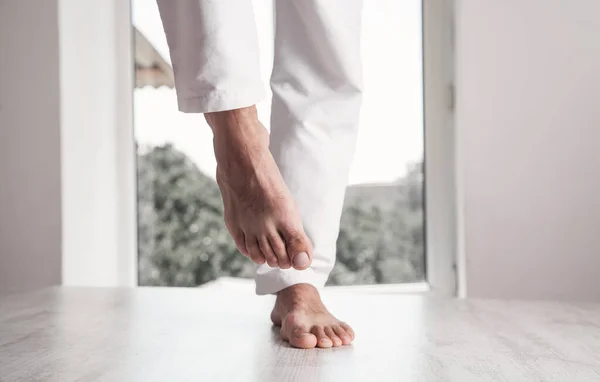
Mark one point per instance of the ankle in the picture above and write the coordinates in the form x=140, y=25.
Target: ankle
x=299, y=289
x=231, y=120
x=298, y=295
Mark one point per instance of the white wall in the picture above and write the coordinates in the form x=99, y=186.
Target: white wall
x=98, y=150
x=67, y=168
x=30, y=200
x=528, y=136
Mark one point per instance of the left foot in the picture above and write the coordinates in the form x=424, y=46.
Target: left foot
x=305, y=322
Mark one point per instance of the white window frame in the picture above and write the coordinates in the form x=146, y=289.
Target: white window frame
x=441, y=198
x=441, y=224
x=120, y=268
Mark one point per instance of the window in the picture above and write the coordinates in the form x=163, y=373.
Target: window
x=183, y=240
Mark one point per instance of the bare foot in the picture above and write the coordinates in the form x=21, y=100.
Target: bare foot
x=260, y=212
x=305, y=322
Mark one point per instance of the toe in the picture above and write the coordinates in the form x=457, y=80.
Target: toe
x=298, y=248
x=240, y=242
x=302, y=339
x=278, y=246
x=347, y=329
x=323, y=340
x=267, y=251
x=341, y=333
x=335, y=340
x=254, y=250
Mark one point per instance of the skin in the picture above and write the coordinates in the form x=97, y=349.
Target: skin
x=263, y=219
x=260, y=213
x=305, y=322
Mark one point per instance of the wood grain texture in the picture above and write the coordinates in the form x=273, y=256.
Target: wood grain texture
x=220, y=334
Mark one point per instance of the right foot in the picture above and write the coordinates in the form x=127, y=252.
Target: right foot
x=260, y=212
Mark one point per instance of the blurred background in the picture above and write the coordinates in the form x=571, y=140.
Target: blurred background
x=183, y=240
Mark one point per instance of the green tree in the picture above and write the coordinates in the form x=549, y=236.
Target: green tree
x=183, y=240
x=381, y=237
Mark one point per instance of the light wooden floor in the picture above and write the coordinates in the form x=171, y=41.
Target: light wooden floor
x=220, y=334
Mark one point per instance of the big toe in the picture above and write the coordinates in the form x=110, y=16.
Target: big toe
x=299, y=250
x=302, y=339
x=301, y=260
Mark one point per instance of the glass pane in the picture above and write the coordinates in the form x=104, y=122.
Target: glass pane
x=183, y=240
x=382, y=232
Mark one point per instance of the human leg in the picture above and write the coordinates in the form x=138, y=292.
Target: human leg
x=317, y=88
x=214, y=52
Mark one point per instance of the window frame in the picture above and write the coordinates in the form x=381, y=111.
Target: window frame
x=440, y=196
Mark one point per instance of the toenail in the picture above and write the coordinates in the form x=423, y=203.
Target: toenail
x=301, y=259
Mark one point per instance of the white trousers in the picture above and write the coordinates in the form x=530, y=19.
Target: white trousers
x=317, y=87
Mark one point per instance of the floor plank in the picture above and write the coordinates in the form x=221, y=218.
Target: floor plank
x=223, y=334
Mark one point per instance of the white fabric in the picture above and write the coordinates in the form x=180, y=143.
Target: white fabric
x=317, y=89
